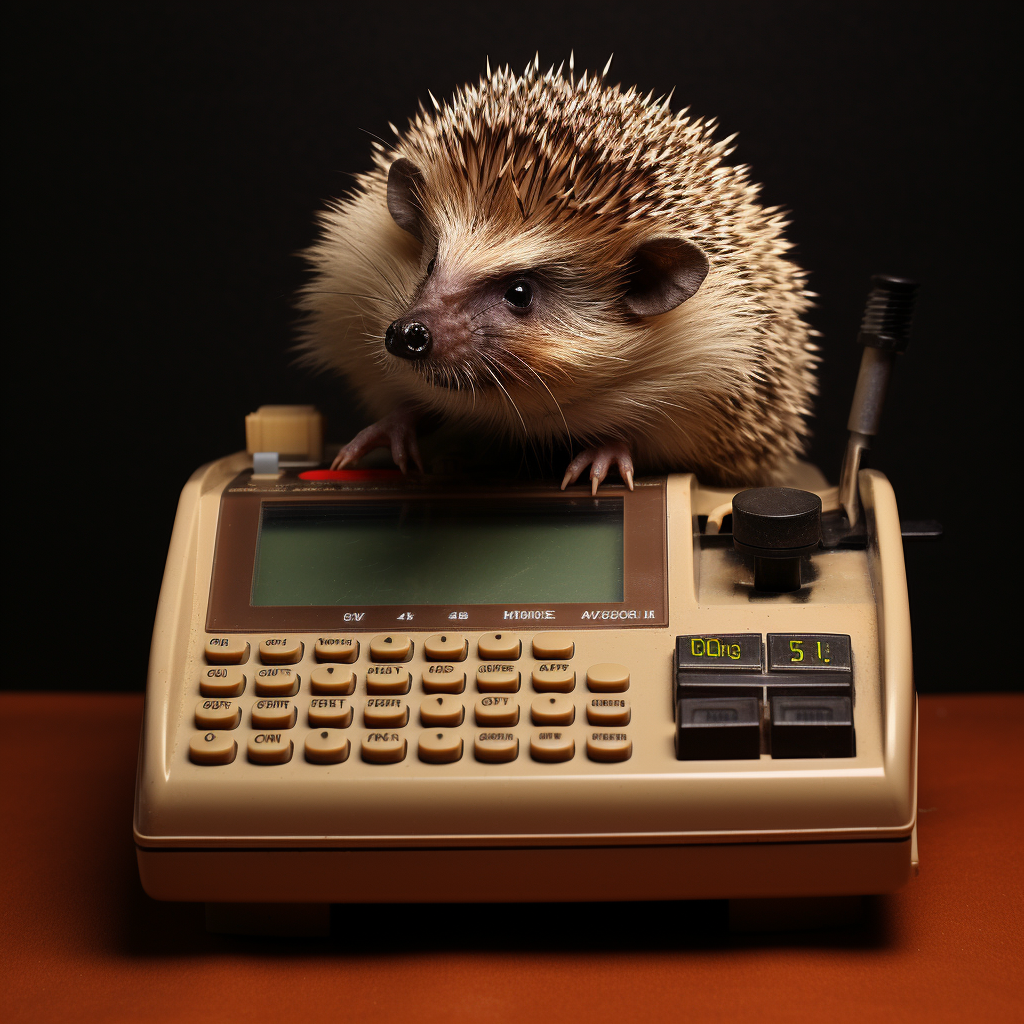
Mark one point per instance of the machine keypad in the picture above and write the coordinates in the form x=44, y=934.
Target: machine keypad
x=386, y=676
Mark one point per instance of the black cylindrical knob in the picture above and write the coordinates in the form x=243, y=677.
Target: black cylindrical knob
x=777, y=526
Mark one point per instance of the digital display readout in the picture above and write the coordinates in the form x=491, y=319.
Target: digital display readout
x=718, y=652
x=801, y=651
x=435, y=552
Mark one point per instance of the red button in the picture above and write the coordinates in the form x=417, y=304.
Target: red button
x=350, y=474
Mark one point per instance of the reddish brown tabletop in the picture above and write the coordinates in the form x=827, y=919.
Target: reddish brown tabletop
x=81, y=941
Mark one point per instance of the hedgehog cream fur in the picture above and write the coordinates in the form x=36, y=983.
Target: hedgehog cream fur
x=565, y=180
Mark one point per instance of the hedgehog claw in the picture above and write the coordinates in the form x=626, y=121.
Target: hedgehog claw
x=600, y=461
x=396, y=431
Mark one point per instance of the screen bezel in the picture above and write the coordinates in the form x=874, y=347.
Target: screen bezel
x=645, y=577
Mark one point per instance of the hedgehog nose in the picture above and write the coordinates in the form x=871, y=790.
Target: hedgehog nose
x=408, y=340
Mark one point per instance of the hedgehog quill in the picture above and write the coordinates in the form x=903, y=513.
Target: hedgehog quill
x=561, y=261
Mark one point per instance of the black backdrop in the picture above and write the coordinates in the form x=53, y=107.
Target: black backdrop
x=168, y=163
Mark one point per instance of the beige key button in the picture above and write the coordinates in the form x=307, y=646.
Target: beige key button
x=217, y=714
x=385, y=713
x=609, y=746
x=443, y=677
x=497, y=677
x=226, y=650
x=212, y=748
x=332, y=679
x=608, y=711
x=554, y=677
x=499, y=647
x=273, y=713
x=552, y=745
x=443, y=711
x=446, y=647
x=440, y=747
x=387, y=679
x=556, y=710
x=277, y=682
x=269, y=748
x=222, y=682
x=553, y=646
x=607, y=678
x=330, y=713
x=383, y=747
x=495, y=747
x=280, y=650
x=496, y=709
x=326, y=747
x=390, y=647
x=344, y=649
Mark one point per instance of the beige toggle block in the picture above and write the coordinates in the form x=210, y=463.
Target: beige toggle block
x=385, y=713
x=497, y=677
x=609, y=746
x=554, y=677
x=277, y=682
x=387, y=679
x=273, y=713
x=293, y=431
x=280, y=650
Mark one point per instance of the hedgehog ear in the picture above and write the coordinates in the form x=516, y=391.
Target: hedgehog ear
x=662, y=273
x=405, y=185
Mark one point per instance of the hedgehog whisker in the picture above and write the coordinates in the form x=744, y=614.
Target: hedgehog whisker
x=543, y=384
x=511, y=400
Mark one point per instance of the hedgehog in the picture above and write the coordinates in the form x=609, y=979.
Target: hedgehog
x=556, y=261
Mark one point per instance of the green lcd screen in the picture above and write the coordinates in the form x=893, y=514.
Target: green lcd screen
x=440, y=553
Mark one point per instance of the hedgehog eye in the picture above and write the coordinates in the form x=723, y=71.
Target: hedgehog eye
x=519, y=295
x=430, y=266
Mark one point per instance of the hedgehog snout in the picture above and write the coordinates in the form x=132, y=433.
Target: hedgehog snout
x=408, y=339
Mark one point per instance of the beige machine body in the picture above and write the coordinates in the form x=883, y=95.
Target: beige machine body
x=552, y=772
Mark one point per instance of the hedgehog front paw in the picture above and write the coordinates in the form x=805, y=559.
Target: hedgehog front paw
x=600, y=461
x=396, y=431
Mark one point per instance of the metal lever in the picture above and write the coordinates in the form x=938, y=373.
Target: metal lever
x=884, y=331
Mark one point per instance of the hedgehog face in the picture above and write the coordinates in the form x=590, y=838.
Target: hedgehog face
x=514, y=309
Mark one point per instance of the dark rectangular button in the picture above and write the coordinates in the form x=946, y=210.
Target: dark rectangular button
x=808, y=684
x=812, y=727
x=718, y=729
x=719, y=652
x=719, y=684
x=802, y=652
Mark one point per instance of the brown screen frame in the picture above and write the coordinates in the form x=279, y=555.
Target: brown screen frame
x=645, y=566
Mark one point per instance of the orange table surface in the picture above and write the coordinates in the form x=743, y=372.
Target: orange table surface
x=81, y=941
